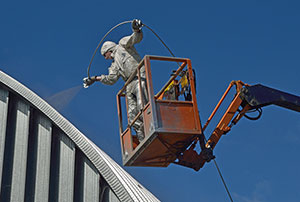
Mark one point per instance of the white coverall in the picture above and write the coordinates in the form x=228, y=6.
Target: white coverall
x=125, y=61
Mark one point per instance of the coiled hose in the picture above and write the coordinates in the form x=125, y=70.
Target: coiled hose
x=122, y=23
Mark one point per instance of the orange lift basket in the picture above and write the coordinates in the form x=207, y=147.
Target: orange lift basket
x=170, y=125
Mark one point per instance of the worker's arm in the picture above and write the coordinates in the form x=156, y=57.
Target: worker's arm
x=111, y=78
x=134, y=38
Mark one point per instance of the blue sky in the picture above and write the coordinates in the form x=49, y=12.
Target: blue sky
x=48, y=45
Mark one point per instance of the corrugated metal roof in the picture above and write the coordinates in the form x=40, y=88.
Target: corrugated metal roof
x=125, y=187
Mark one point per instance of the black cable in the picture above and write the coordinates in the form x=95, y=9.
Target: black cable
x=219, y=171
x=259, y=110
x=220, y=174
x=160, y=40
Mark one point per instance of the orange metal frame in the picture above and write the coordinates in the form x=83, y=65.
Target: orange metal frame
x=227, y=121
x=170, y=126
x=190, y=157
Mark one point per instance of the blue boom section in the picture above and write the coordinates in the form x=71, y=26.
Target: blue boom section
x=259, y=96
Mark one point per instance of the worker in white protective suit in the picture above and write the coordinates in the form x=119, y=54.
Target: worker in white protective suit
x=125, y=60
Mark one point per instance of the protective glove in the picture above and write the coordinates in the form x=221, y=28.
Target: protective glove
x=136, y=25
x=87, y=81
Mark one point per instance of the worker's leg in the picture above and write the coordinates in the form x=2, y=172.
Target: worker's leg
x=140, y=95
x=133, y=110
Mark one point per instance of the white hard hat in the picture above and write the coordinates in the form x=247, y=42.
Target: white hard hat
x=107, y=46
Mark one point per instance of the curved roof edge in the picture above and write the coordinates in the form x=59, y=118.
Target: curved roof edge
x=125, y=186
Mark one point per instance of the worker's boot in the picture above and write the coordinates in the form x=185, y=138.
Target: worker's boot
x=140, y=134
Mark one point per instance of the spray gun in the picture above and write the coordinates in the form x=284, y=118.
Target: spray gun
x=87, y=81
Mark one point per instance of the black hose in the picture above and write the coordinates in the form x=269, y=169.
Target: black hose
x=89, y=67
x=160, y=40
x=122, y=23
x=259, y=110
